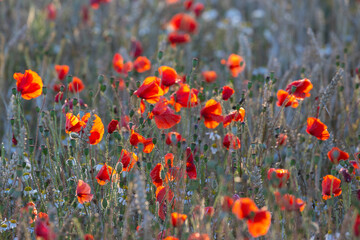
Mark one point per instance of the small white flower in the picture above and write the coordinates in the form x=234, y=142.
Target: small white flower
x=213, y=136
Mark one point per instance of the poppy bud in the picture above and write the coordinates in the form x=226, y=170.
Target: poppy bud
x=75, y=101
x=101, y=78
x=195, y=62
x=117, y=135
x=103, y=87
x=249, y=85
x=160, y=55
x=86, y=151
x=131, y=114
x=112, y=126
x=206, y=147
x=119, y=167
x=154, y=140
x=13, y=90
x=74, y=135
x=31, y=148
x=69, y=78
x=46, y=132
x=44, y=149
x=193, y=146
x=12, y=121
x=41, y=128
x=163, y=135
x=62, y=88
x=31, y=141
x=44, y=91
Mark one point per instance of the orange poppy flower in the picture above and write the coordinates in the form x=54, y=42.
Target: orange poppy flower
x=83, y=192
x=167, y=75
x=227, y=92
x=287, y=99
x=178, y=38
x=209, y=211
x=330, y=186
x=150, y=90
x=289, y=202
x=316, y=128
x=227, y=203
x=212, y=114
x=336, y=155
x=178, y=219
x=155, y=175
x=356, y=226
x=164, y=116
x=183, y=22
x=190, y=165
x=236, y=64
x=188, y=4
x=169, y=137
x=278, y=177
x=243, y=208
x=234, y=116
x=88, y=237
x=44, y=217
x=29, y=84
x=104, y=174
x=199, y=236
x=300, y=88
x=171, y=238
x=74, y=124
x=259, y=224
x=76, y=85
x=136, y=138
x=128, y=160
x=142, y=64
x=62, y=71
x=29, y=208
x=281, y=139
x=209, y=76
x=119, y=65
x=231, y=142
x=95, y=4
x=181, y=97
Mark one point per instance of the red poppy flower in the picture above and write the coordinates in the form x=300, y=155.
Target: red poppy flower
x=125, y=122
x=287, y=99
x=136, y=48
x=178, y=219
x=142, y=64
x=85, y=16
x=227, y=92
x=104, y=174
x=43, y=231
x=282, y=139
x=278, y=177
x=336, y=155
x=289, y=202
x=171, y=238
x=209, y=76
x=29, y=84
x=178, y=38
x=227, y=203
x=88, y=237
x=259, y=224
x=43, y=216
x=95, y=4
x=300, y=88
x=330, y=186
x=236, y=64
x=51, y=12
x=155, y=175
x=167, y=75
x=234, y=116
x=76, y=85
x=62, y=71
x=136, y=138
x=188, y=4
x=120, y=66
x=57, y=87
x=190, y=165
x=316, y=128
x=243, y=208
x=59, y=97
x=198, y=9
x=150, y=90
x=181, y=97
x=29, y=208
x=83, y=192
x=128, y=160
x=209, y=211
x=164, y=195
x=169, y=138
x=113, y=125
x=164, y=116
x=231, y=142
x=183, y=22
x=212, y=114
x=199, y=236
x=356, y=226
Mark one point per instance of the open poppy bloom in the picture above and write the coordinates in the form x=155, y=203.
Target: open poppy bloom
x=178, y=219
x=150, y=90
x=289, y=202
x=88, y=237
x=171, y=238
x=234, y=116
x=167, y=75
x=155, y=175
x=190, y=165
x=104, y=174
x=209, y=76
x=83, y=192
x=281, y=139
x=285, y=98
x=172, y=138
x=128, y=159
x=330, y=187
x=316, y=128
x=235, y=63
x=300, y=88
x=209, y=211
x=164, y=116
x=113, y=125
x=43, y=231
x=76, y=85
x=29, y=209
x=44, y=217
x=231, y=142
x=227, y=203
x=183, y=22
x=227, y=92
x=336, y=155
x=181, y=97
x=198, y=236
x=278, y=177
x=356, y=226
x=178, y=38
x=243, y=207
x=198, y=8
x=62, y=71
x=164, y=195
x=142, y=64
x=95, y=4
x=75, y=124
x=119, y=65
x=29, y=84
x=212, y=114
x=136, y=138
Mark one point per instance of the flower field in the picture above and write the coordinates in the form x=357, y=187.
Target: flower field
x=180, y=119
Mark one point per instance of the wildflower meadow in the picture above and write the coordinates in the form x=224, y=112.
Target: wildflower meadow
x=180, y=119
